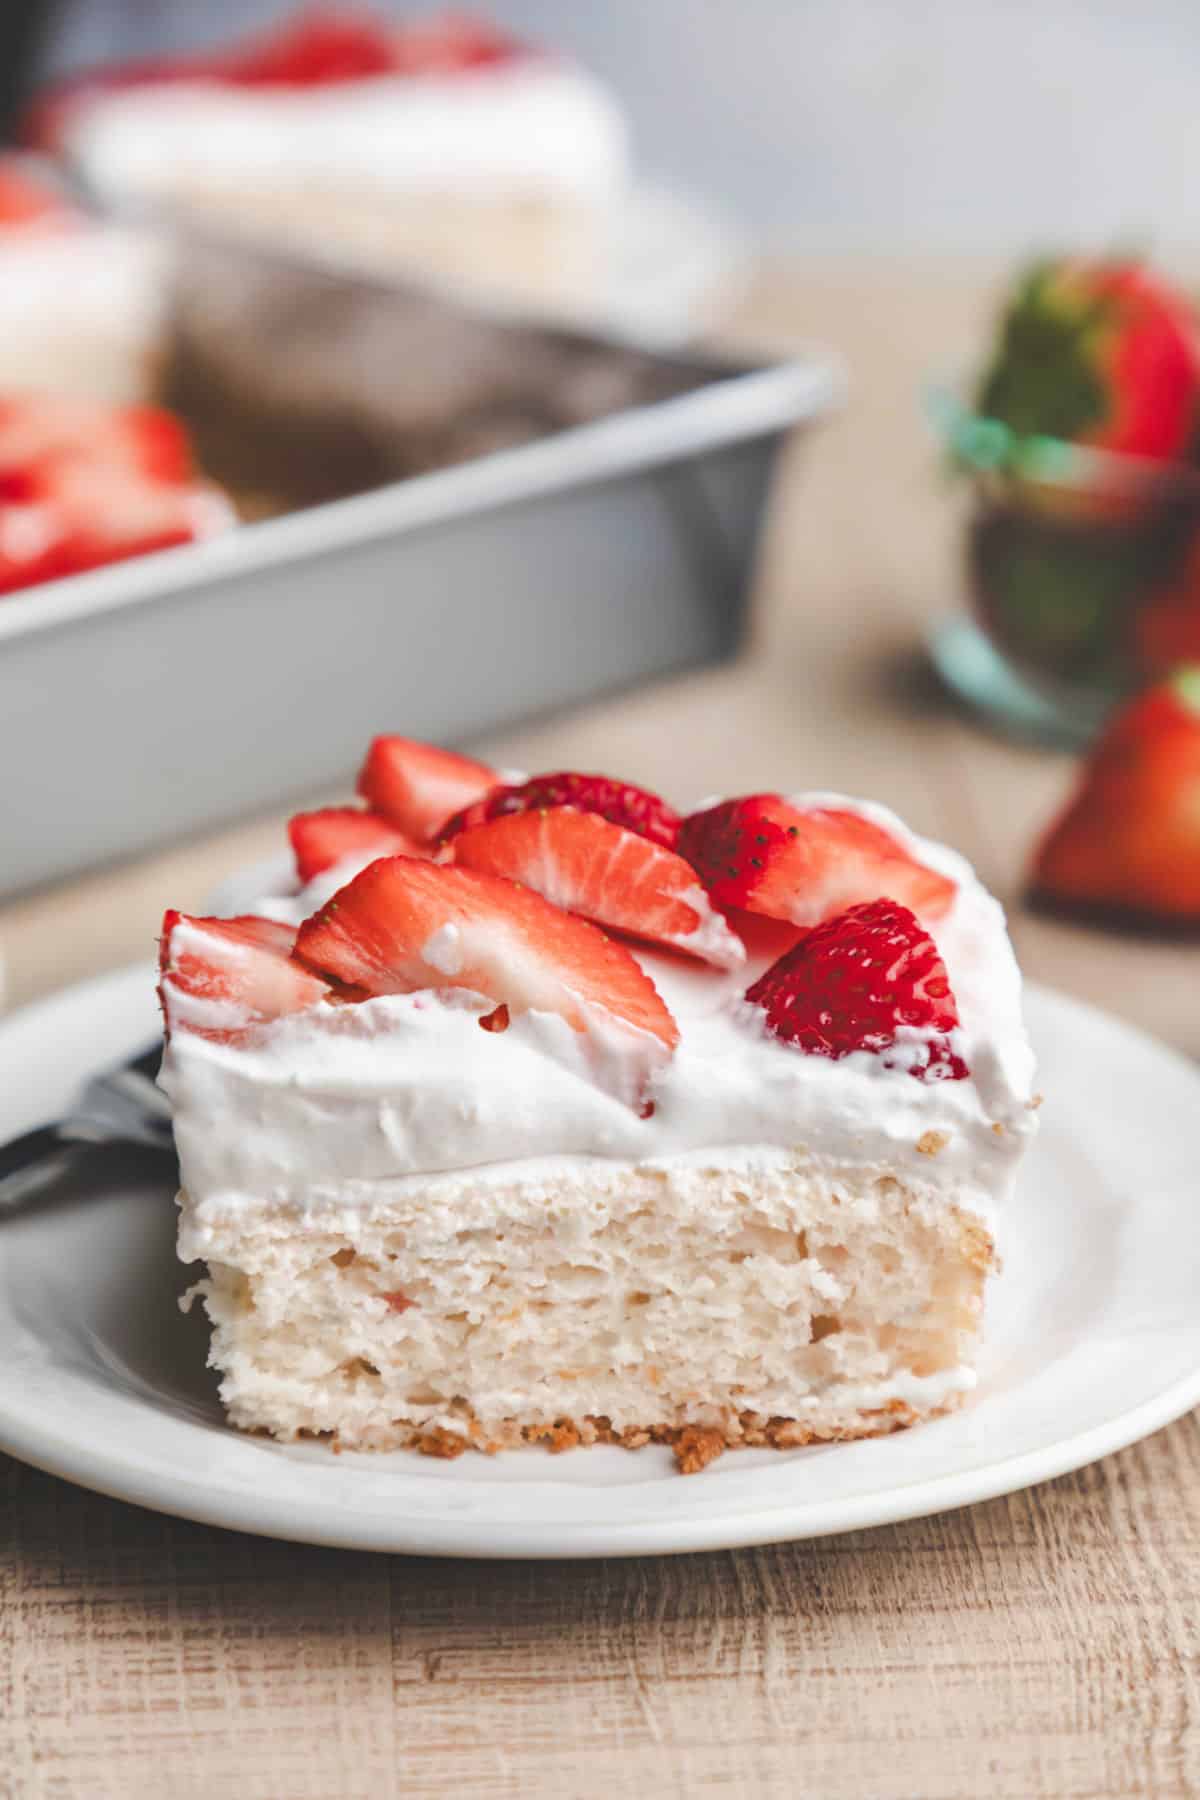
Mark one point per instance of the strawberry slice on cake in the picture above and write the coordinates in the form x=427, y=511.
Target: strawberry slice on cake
x=222, y=977
x=805, y=863
x=335, y=835
x=419, y=786
x=615, y=877
x=633, y=808
x=404, y=925
x=477, y=1159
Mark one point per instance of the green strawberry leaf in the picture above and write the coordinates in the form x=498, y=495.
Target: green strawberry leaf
x=1047, y=379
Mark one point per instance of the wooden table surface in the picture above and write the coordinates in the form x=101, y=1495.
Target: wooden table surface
x=1047, y=1644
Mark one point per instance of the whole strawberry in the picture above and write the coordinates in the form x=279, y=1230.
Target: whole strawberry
x=1130, y=837
x=1101, y=354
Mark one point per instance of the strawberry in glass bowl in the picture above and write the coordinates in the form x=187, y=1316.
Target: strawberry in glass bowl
x=1079, y=448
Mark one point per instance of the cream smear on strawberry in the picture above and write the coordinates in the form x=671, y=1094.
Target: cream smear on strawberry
x=335, y=1105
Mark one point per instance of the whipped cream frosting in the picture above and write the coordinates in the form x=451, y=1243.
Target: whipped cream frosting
x=342, y=1101
x=533, y=125
x=82, y=309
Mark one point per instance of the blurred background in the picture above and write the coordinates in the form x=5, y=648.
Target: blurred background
x=664, y=388
x=848, y=124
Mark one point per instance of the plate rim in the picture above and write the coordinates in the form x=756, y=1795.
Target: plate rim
x=430, y=1534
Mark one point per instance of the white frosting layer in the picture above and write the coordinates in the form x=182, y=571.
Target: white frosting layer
x=532, y=126
x=340, y=1102
x=82, y=310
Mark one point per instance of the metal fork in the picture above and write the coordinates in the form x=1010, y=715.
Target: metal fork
x=120, y=1106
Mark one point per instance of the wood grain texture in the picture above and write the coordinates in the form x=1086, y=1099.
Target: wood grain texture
x=1043, y=1645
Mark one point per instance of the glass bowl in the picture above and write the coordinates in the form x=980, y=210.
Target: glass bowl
x=1082, y=570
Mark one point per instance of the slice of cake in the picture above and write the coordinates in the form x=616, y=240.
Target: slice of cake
x=542, y=1114
x=444, y=147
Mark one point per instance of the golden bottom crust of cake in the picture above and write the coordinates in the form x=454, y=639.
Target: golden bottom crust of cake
x=694, y=1446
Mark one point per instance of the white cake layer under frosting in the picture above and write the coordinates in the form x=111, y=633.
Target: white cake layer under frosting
x=338, y=1104
x=532, y=126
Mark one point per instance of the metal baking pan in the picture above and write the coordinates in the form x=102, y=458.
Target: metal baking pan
x=161, y=696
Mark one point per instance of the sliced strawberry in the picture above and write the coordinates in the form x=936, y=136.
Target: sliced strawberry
x=24, y=200
x=320, y=48
x=612, y=876
x=322, y=839
x=48, y=540
x=1130, y=836
x=42, y=430
x=83, y=484
x=417, y=786
x=617, y=801
x=768, y=856
x=450, y=44
x=221, y=977
x=403, y=925
x=856, y=983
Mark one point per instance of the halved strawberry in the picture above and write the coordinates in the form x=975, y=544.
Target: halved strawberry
x=617, y=801
x=587, y=865
x=1130, y=836
x=417, y=786
x=322, y=839
x=220, y=977
x=856, y=983
x=768, y=856
x=403, y=925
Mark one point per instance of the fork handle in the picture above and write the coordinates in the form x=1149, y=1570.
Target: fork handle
x=34, y=1162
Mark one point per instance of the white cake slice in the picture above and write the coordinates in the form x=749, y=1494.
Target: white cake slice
x=467, y=1170
x=442, y=147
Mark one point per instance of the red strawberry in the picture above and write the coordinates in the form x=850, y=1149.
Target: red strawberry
x=618, y=802
x=1165, y=626
x=857, y=981
x=318, y=49
x=583, y=863
x=1101, y=354
x=322, y=839
x=403, y=925
x=450, y=44
x=26, y=201
x=83, y=484
x=87, y=518
x=768, y=856
x=220, y=977
x=41, y=431
x=1130, y=837
x=417, y=786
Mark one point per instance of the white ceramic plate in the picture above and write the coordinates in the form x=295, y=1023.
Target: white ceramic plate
x=1093, y=1341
